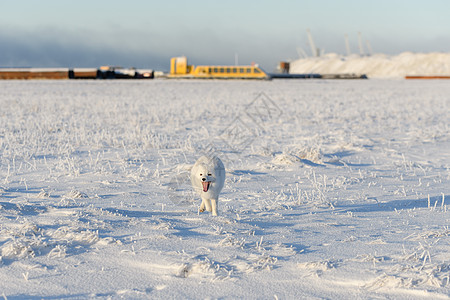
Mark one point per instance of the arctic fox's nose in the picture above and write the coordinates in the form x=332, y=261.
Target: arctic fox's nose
x=203, y=179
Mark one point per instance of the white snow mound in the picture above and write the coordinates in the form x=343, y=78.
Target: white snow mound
x=376, y=66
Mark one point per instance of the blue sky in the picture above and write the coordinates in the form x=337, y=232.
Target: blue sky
x=145, y=34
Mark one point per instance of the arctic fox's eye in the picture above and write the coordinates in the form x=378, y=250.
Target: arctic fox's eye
x=209, y=174
x=201, y=174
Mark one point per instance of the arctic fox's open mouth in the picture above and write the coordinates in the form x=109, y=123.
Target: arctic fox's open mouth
x=206, y=185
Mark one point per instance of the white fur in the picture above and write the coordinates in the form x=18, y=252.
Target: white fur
x=212, y=170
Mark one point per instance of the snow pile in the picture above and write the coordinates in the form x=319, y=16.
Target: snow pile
x=334, y=189
x=376, y=66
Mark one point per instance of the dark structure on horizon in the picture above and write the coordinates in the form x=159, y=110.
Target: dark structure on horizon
x=104, y=72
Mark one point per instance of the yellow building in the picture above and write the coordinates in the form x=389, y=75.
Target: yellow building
x=179, y=68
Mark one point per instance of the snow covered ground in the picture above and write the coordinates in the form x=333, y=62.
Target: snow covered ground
x=334, y=189
x=378, y=65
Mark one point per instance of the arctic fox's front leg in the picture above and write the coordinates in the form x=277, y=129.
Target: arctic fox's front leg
x=214, y=207
x=206, y=203
x=202, y=206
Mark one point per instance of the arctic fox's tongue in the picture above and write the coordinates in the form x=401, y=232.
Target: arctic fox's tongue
x=205, y=185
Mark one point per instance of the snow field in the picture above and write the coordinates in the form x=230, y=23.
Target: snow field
x=334, y=189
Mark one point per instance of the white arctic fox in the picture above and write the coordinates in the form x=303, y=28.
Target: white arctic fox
x=208, y=178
